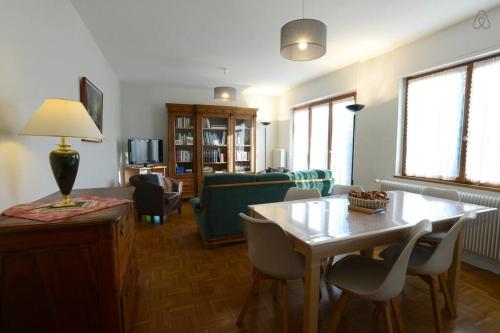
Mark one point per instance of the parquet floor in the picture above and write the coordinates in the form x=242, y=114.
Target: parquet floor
x=184, y=287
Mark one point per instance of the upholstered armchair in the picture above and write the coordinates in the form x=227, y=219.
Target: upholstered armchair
x=155, y=195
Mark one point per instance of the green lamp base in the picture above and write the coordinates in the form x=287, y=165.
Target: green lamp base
x=64, y=162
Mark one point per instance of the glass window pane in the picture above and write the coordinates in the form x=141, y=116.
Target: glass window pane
x=300, y=139
x=319, y=136
x=434, y=124
x=342, y=141
x=483, y=143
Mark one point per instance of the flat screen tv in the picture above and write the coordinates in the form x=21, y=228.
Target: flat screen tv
x=145, y=151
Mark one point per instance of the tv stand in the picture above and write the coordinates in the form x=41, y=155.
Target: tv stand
x=130, y=170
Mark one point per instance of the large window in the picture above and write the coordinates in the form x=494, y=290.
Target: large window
x=323, y=137
x=452, y=124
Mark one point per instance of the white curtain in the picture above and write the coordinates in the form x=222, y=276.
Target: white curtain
x=300, y=139
x=434, y=124
x=319, y=136
x=483, y=143
x=342, y=141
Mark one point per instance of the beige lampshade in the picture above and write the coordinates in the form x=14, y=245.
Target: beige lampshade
x=62, y=118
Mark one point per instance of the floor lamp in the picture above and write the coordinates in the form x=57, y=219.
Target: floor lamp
x=265, y=124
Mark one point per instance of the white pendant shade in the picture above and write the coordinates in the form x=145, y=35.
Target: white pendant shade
x=225, y=93
x=62, y=118
x=303, y=40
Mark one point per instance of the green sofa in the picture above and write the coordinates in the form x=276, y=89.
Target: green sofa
x=224, y=195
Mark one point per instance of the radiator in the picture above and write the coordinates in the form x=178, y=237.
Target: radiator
x=481, y=237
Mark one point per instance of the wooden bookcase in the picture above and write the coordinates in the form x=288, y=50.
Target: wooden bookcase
x=205, y=139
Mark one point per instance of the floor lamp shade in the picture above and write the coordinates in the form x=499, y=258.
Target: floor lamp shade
x=66, y=119
x=303, y=40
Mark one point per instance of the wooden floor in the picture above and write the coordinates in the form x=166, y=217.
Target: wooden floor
x=184, y=287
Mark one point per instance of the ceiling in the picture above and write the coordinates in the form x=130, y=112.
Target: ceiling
x=186, y=42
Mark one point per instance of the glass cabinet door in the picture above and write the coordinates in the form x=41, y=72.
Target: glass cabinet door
x=184, y=145
x=214, y=144
x=243, y=143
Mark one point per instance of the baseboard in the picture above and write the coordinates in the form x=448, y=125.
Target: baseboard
x=481, y=262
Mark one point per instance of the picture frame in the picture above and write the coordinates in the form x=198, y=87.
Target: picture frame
x=92, y=99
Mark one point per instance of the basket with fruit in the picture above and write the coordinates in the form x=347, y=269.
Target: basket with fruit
x=372, y=199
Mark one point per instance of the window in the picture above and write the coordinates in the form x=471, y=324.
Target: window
x=323, y=137
x=451, y=124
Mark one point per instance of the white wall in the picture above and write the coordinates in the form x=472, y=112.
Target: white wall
x=144, y=114
x=44, y=49
x=378, y=82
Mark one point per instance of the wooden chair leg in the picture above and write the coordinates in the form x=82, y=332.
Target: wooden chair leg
x=339, y=311
x=377, y=311
x=387, y=317
x=369, y=253
x=396, y=308
x=443, y=282
x=435, y=303
x=285, y=307
x=252, y=292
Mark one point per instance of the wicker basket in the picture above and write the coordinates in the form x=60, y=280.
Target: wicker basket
x=365, y=203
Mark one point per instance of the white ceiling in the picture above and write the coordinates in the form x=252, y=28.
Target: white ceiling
x=186, y=42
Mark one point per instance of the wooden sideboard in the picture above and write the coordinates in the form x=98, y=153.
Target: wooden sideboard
x=131, y=170
x=73, y=275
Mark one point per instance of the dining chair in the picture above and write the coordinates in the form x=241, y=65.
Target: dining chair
x=366, y=278
x=345, y=189
x=273, y=257
x=295, y=193
x=431, y=264
x=435, y=237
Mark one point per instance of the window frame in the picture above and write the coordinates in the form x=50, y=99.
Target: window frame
x=461, y=180
x=330, y=102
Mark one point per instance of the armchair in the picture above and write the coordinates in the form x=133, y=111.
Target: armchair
x=155, y=195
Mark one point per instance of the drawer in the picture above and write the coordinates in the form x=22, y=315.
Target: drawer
x=188, y=187
x=125, y=231
x=129, y=297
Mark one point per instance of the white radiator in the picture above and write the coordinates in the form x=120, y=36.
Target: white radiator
x=481, y=237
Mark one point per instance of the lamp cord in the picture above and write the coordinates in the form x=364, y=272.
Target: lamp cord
x=303, y=1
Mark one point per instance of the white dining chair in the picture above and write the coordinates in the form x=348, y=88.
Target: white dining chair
x=374, y=280
x=295, y=193
x=432, y=263
x=434, y=237
x=345, y=189
x=273, y=257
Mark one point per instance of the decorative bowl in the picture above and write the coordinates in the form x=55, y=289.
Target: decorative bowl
x=368, y=203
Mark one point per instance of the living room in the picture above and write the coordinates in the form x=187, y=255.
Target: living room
x=401, y=89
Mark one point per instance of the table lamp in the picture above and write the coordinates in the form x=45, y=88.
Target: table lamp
x=66, y=119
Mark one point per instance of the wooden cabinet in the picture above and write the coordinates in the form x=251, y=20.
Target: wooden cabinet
x=131, y=170
x=204, y=139
x=72, y=275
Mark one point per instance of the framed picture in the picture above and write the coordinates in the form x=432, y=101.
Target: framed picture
x=92, y=99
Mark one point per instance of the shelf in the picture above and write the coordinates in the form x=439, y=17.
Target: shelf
x=215, y=129
x=184, y=145
x=208, y=163
x=215, y=146
x=185, y=128
x=243, y=145
x=183, y=161
x=245, y=161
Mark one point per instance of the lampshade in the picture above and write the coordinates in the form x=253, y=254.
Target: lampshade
x=225, y=93
x=355, y=107
x=303, y=40
x=62, y=118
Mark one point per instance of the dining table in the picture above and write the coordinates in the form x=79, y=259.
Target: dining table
x=326, y=227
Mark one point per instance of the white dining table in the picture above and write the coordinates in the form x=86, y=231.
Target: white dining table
x=325, y=227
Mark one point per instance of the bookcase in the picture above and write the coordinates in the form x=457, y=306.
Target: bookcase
x=206, y=139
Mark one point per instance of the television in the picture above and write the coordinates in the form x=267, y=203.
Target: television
x=145, y=151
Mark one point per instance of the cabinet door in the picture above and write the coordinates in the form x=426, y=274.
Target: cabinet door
x=50, y=290
x=184, y=152
x=244, y=144
x=215, y=142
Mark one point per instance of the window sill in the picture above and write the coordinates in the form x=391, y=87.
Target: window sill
x=446, y=182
